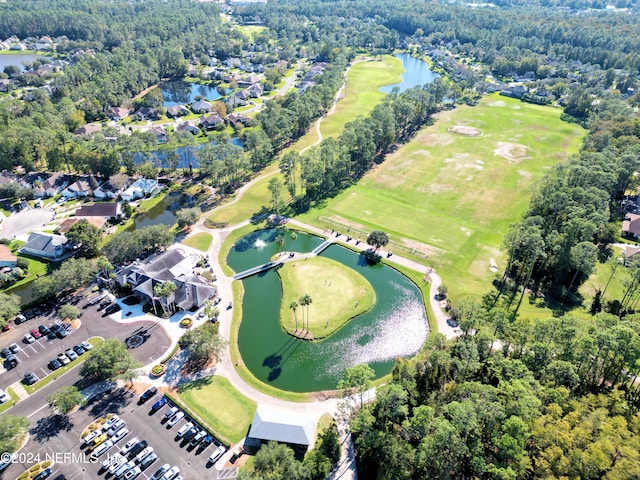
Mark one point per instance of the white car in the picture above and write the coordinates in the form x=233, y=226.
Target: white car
x=171, y=473
x=111, y=460
x=120, y=460
x=117, y=425
x=133, y=473
x=109, y=423
x=175, y=419
x=217, y=453
x=129, y=445
x=4, y=396
x=160, y=472
x=120, y=434
x=28, y=338
x=143, y=454
x=91, y=436
x=184, y=429
x=125, y=467
x=170, y=413
x=101, y=449
x=86, y=345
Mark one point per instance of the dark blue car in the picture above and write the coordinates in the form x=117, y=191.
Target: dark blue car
x=159, y=404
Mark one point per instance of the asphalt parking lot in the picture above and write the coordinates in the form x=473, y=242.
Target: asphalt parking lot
x=36, y=356
x=53, y=435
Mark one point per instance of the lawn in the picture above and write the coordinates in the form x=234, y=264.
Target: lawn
x=201, y=241
x=452, y=192
x=9, y=403
x=225, y=409
x=362, y=93
x=338, y=294
x=250, y=30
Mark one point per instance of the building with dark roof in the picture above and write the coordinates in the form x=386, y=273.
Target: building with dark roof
x=48, y=246
x=109, y=210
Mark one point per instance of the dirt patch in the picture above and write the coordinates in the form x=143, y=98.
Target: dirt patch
x=464, y=130
x=420, y=247
x=513, y=152
x=524, y=174
x=497, y=103
x=191, y=367
x=435, y=139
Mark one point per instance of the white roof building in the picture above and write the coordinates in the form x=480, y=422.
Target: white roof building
x=283, y=427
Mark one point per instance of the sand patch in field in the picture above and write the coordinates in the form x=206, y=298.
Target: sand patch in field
x=435, y=139
x=465, y=130
x=497, y=103
x=512, y=152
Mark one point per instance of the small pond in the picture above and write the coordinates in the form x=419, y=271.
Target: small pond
x=417, y=73
x=396, y=326
x=179, y=92
x=18, y=60
x=163, y=213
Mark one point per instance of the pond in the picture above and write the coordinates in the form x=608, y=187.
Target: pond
x=179, y=92
x=24, y=292
x=163, y=213
x=417, y=73
x=396, y=326
x=18, y=60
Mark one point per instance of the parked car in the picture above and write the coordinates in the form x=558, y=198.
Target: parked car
x=109, y=423
x=129, y=445
x=101, y=449
x=44, y=330
x=115, y=426
x=137, y=448
x=63, y=359
x=20, y=319
x=58, y=331
x=184, y=429
x=60, y=477
x=170, y=413
x=189, y=434
x=148, y=461
x=89, y=438
x=147, y=394
x=217, y=453
x=175, y=419
x=86, y=345
x=120, y=434
x=112, y=309
x=99, y=440
x=35, y=333
x=5, y=352
x=104, y=304
x=117, y=463
x=206, y=441
x=159, y=404
x=28, y=338
x=78, y=350
x=133, y=473
x=111, y=460
x=11, y=361
x=30, y=378
x=171, y=473
x=124, y=468
x=143, y=453
x=160, y=472
x=54, y=364
x=71, y=354
x=4, y=396
x=14, y=347
x=198, y=438
x=43, y=474
x=6, y=327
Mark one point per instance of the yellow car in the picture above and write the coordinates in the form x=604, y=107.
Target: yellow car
x=100, y=439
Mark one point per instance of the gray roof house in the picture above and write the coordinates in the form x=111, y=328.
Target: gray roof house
x=46, y=245
x=141, y=188
x=282, y=426
x=201, y=106
x=81, y=188
x=171, y=266
x=177, y=111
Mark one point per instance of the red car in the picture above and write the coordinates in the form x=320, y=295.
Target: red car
x=36, y=333
x=6, y=328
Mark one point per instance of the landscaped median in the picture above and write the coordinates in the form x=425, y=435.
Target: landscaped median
x=9, y=403
x=95, y=341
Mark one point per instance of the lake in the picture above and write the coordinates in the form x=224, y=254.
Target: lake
x=18, y=60
x=179, y=92
x=395, y=327
x=417, y=73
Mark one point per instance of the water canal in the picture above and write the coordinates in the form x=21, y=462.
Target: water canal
x=396, y=326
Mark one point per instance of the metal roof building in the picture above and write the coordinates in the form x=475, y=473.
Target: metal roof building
x=282, y=427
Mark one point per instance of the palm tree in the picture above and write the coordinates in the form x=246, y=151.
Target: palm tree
x=294, y=306
x=305, y=301
x=280, y=241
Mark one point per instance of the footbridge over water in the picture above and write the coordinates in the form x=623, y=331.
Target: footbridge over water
x=252, y=271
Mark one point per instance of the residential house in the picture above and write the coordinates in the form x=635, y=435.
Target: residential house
x=67, y=223
x=526, y=77
x=5, y=84
x=18, y=47
x=211, y=121
x=177, y=111
x=7, y=259
x=147, y=113
x=81, y=188
x=141, y=188
x=51, y=186
x=117, y=113
x=187, y=126
x=7, y=177
x=631, y=225
x=48, y=246
x=88, y=129
x=515, y=91
x=628, y=252
x=238, y=120
x=201, y=106
x=108, y=211
x=255, y=91
x=171, y=266
x=113, y=187
x=160, y=133
x=249, y=80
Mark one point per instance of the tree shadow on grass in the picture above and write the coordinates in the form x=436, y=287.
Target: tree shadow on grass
x=195, y=385
x=49, y=427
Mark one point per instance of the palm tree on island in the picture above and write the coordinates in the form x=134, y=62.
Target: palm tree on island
x=305, y=301
x=294, y=306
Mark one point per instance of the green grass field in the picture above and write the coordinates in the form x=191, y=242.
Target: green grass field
x=201, y=241
x=362, y=92
x=215, y=400
x=249, y=30
x=452, y=192
x=338, y=294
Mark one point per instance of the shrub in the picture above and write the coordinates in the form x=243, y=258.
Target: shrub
x=23, y=475
x=186, y=322
x=46, y=464
x=158, y=370
x=35, y=468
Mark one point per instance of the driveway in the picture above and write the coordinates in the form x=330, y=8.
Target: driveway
x=26, y=221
